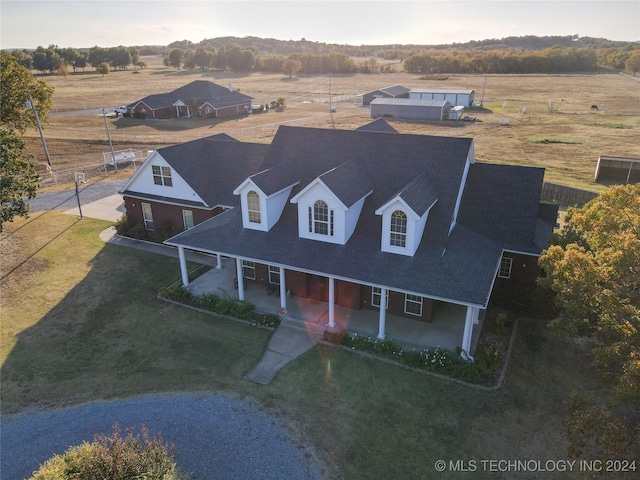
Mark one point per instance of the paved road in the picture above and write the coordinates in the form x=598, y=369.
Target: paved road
x=215, y=436
x=98, y=200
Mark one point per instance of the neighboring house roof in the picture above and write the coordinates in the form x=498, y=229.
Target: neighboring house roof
x=211, y=166
x=196, y=93
x=378, y=125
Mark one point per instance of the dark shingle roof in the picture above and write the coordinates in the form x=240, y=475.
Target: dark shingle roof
x=348, y=181
x=391, y=162
x=501, y=202
x=420, y=194
x=213, y=166
x=201, y=91
x=378, y=125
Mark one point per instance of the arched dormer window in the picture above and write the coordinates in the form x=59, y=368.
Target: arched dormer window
x=398, y=229
x=253, y=207
x=321, y=219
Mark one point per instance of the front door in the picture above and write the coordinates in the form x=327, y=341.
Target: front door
x=318, y=288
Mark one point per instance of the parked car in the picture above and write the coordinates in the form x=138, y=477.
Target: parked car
x=120, y=110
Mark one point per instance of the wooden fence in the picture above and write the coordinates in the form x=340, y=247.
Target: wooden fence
x=566, y=195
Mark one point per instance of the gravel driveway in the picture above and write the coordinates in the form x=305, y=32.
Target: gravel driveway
x=215, y=436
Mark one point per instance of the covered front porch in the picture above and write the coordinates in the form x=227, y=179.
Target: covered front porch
x=451, y=327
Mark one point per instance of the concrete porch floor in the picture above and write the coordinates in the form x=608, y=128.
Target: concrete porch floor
x=445, y=329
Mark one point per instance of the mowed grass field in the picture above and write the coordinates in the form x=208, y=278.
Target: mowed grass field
x=81, y=322
x=538, y=120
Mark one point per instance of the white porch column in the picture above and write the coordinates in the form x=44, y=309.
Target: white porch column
x=332, y=301
x=240, y=279
x=383, y=314
x=218, y=261
x=183, y=267
x=470, y=319
x=283, y=291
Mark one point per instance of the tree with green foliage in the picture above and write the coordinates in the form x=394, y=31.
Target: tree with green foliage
x=18, y=179
x=593, y=267
x=17, y=82
x=174, y=59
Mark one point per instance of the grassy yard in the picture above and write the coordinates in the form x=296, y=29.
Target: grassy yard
x=80, y=321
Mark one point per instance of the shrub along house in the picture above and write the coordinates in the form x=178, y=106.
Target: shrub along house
x=397, y=224
x=198, y=98
x=180, y=186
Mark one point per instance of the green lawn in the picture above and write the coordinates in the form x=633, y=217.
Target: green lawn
x=80, y=321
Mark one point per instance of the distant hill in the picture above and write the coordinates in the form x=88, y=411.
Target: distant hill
x=287, y=47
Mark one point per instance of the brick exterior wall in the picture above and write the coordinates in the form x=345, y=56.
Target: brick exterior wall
x=164, y=213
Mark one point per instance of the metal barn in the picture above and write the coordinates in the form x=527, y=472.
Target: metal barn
x=410, y=109
x=462, y=98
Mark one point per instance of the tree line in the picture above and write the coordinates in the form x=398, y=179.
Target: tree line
x=511, y=55
x=55, y=60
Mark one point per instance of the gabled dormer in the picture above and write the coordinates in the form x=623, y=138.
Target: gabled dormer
x=404, y=217
x=263, y=197
x=329, y=207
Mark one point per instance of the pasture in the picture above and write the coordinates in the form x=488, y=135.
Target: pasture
x=537, y=120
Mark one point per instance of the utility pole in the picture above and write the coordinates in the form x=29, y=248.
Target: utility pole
x=113, y=155
x=78, y=197
x=31, y=106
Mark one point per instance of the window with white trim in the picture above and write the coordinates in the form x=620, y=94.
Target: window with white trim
x=413, y=304
x=248, y=269
x=162, y=175
x=147, y=215
x=398, y=229
x=187, y=219
x=376, y=296
x=253, y=207
x=274, y=275
x=321, y=219
x=505, y=267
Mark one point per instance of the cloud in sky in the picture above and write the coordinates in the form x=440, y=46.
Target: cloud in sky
x=29, y=23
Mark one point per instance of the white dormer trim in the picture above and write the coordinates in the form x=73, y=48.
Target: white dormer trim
x=319, y=182
x=271, y=206
x=306, y=199
x=471, y=158
x=414, y=229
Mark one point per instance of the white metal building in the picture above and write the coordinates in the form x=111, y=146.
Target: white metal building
x=410, y=109
x=456, y=97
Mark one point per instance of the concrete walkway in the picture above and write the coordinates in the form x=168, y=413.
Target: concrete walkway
x=289, y=341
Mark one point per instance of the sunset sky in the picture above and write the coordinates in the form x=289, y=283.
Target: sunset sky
x=106, y=23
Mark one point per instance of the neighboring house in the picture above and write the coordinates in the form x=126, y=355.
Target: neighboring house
x=198, y=98
x=184, y=185
x=457, y=97
x=399, y=224
x=410, y=109
x=393, y=91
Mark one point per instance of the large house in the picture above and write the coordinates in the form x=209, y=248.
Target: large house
x=198, y=98
x=397, y=224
